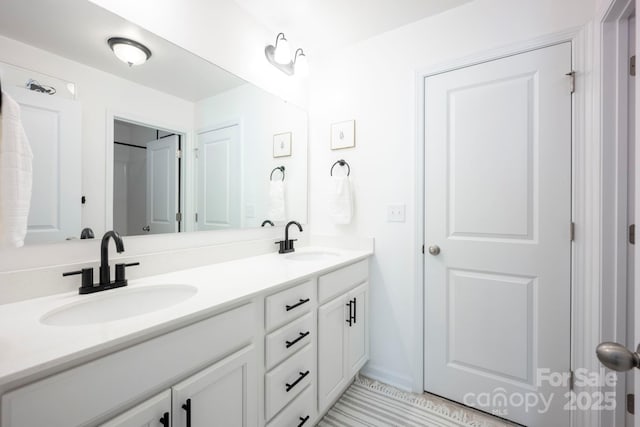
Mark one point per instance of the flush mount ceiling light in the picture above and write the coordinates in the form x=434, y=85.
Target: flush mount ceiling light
x=279, y=56
x=129, y=51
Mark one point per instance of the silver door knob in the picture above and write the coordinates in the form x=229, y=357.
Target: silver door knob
x=147, y=228
x=618, y=357
x=434, y=250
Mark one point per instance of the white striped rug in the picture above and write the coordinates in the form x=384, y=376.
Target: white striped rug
x=372, y=404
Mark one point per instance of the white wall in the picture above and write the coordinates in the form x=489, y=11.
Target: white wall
x=219, y=31
x=261, y=116
x=374, y=82
x=98, y=93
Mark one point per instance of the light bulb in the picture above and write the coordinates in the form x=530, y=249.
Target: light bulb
x=302, y=65
x=282, y=54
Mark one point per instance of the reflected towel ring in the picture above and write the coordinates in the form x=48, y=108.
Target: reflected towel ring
x=278, y=168
x=341, y=162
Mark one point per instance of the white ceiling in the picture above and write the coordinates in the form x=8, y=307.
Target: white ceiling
x=78, y=30
x=327, y=24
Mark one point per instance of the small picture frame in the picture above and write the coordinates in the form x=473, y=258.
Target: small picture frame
x=343, y=135
x=282, y=144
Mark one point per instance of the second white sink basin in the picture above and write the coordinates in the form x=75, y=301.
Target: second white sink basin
x=118, y=304
x=312, y=255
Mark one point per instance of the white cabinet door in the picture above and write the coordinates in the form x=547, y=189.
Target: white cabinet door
x=222, y=395
x=357, y=333
x=154, y=412
x=332, y=374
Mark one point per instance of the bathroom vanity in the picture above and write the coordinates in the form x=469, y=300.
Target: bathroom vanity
x=269, y=340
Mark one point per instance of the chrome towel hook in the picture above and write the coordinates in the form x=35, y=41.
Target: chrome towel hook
x=277, y=168
x=341, y=162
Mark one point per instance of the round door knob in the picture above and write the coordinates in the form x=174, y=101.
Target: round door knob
x=617, y=357
x=434, y=250
x=147, y=228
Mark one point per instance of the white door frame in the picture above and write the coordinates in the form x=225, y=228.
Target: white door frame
x=586, y=191
x=612, y=100
x=187, y=205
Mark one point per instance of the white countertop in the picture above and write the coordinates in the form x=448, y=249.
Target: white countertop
x=29, y=348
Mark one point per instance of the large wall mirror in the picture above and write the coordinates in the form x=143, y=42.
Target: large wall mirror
x=172, y=145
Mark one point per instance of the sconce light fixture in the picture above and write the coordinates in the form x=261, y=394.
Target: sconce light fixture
x=279, y=55
x=129, y=51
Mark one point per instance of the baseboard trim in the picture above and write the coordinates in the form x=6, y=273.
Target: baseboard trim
x=402, y=382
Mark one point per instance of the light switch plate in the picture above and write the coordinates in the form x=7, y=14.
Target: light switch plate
x=396, y=213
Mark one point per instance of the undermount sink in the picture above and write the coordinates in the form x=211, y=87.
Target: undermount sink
x=312, y=256
x=118, y=304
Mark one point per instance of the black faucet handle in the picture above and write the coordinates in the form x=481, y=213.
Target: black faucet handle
x=120, y=271
x=87, y=277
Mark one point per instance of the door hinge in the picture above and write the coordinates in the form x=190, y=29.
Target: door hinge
x=572, y=81
x=423, y=249
x=632, y=234
x=196, y=217
x=179, y=216
x=178, y=154
x=632, y=65
x=572, y=231
x=631, y=403
x=572, y=380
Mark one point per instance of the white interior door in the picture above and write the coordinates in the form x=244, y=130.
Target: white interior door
x=162, y=185
x=53, y=127
x=498, y=208
x=218, y=179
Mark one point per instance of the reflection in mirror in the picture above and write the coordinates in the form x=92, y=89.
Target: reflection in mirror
x=174, y=144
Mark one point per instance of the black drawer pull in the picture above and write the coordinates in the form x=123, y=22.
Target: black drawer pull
x=303, y=420
x=165, y=420
x=355, y=306
x=302, y=301
x=187, y=407
x=295, y=383
x=350, y=319
x=302, y=335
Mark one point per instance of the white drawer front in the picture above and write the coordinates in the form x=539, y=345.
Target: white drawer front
x=287, y=340
x=289, y=304
x=298, y=413
x=83, y=394
x=340, y=281
x=290, y=375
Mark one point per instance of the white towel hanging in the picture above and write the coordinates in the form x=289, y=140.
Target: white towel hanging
x=16, y=175
x=340, y=200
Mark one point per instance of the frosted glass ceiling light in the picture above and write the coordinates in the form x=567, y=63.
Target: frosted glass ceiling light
x=129, y=51
x=279, y=56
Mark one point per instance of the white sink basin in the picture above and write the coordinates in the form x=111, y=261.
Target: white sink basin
x=312, y=256
x=118, y=304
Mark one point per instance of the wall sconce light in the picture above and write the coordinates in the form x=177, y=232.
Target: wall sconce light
x=129, y=51
x=279, y=56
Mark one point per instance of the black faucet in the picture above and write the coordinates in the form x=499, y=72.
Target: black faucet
x=88, y=286
x=267, y=221
x=286, y=245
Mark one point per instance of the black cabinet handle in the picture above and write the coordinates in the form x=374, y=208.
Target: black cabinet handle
x=303, y=420
x=295, y=383
x=355, y=306
x=302, y=301
x=187, y=407
x=350, y=319
x=302, y=335
x=165, y=420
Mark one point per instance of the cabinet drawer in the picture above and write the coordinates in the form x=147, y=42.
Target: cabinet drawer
x=288, y=304
x=83, y=394
x=286, y=381
x=340, y=281
x=298, y=413
x=287, y=340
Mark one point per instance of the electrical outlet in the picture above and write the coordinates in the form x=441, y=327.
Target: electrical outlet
x=396, y=213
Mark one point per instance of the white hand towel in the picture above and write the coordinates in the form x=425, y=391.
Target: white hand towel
x=340, y=200
x=277, y=205
x=16, y=175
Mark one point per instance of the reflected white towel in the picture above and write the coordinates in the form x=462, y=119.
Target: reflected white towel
x=340, y=200
x=277, y=205
x=16, y=175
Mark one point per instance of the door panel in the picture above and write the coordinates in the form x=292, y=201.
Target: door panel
x=147, y=414
x=219, y=187
x=331, y=350
x=498, y=205
x=52, y=125
x=162, y=185
x=357, y=336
